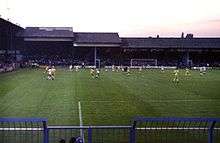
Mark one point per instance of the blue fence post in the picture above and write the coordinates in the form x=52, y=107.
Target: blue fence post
x=210, y=132
x=90, y=135
x=46, y=132
x=133, y=132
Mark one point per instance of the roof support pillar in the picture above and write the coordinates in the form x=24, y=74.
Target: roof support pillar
x=185, y=59
x=95, y=52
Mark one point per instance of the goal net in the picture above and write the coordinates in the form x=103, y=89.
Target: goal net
x=143, y=62
x=97, y=63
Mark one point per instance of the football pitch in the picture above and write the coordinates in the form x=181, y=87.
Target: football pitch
x=75, y=98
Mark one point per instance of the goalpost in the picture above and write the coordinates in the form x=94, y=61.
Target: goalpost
x=143, y=62
x=97, y=63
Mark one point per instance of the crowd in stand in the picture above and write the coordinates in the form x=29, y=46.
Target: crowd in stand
x=9, y=64
x=7, y=67
x=56, y=60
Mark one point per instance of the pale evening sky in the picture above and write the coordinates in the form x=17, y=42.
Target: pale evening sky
x=137, y=18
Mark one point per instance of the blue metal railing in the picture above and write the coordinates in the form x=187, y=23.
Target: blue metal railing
x=19, y=130
x=36, y=120
x=180, y=129
x=162, y=130
x=91, y=133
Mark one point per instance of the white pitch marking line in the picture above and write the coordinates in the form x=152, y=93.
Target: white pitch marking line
x=183, y=100
x=104, y=101
x=176, y=128
x=165, y=101
x=81, y=121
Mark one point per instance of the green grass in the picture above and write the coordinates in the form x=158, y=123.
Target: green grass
x=114, y=99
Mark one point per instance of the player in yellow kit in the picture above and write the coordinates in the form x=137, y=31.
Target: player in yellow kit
x=92, y=72
x=187, y=73
x=176, y=76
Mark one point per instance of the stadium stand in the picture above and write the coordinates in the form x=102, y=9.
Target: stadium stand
x=63, y=46
x=47, y=34
x=108, y=46
x=97, y=38
x=9, y=45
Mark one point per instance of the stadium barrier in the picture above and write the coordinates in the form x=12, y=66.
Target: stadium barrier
x=90, y=134
x=143, y=130
x=172, y=130
x=23, y=130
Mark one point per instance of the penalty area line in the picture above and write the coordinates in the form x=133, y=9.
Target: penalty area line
x=81, y=121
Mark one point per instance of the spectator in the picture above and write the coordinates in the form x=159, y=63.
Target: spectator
x=62, y=141
x=72, y=140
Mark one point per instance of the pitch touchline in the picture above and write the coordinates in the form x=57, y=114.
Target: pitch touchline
x=80, y=120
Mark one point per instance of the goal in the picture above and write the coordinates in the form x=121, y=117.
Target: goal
x=143, y=62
